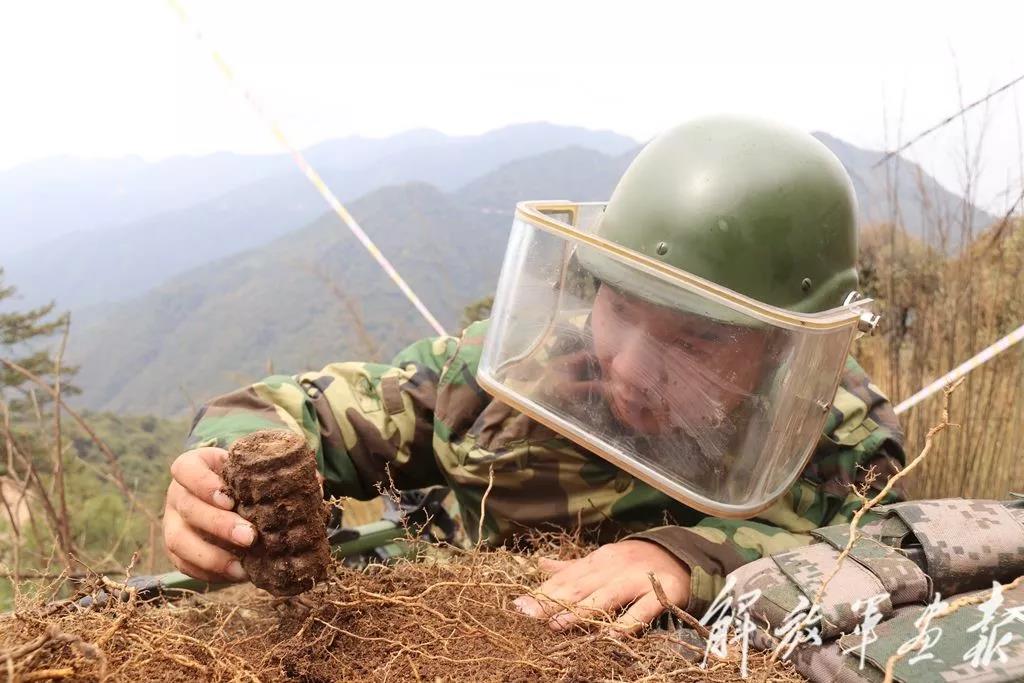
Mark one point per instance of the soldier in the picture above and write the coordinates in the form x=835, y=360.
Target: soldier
x=674, y=365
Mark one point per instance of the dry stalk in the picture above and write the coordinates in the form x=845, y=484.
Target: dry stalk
x=357, y=321
x=483, y=506
x=58, y=450
x=680, y=614
x=32, y=474
x=47, y=675
x=108, y=455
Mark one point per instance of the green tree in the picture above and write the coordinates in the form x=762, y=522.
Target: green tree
x=22, y=335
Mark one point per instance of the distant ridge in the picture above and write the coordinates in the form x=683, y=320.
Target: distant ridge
x=899, y=191
x=101, y=266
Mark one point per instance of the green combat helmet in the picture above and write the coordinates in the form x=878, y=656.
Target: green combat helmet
x=761, y=209
x=691, y=331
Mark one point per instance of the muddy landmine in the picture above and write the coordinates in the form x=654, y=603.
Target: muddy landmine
x=272, y=476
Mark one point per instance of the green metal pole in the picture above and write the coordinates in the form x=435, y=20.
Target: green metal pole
x=350, y=542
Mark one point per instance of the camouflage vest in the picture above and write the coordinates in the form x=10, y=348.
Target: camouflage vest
x=907, y=560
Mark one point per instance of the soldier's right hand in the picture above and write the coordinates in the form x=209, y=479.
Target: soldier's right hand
x=199, y=525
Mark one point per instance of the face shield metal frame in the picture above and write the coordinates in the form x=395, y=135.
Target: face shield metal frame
x=520, y=333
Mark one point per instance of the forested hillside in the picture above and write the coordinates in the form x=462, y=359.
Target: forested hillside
x=305, y=299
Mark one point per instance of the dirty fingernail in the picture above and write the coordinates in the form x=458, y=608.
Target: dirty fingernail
x=243, y=534
x=235, y=571
x=223, y=500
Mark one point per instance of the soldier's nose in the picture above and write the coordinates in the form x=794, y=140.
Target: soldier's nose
x=636, y=364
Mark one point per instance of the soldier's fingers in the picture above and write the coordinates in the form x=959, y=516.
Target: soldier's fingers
x=192, y=570
x=215, y=458
x=221, y=524
x=197, y=553
x=197, y=471
x=550, y=598
x=570, y=581
x=555, y=594
x=641, y=613
x=604, y=600
x=574, y=580
x=576, y=361
x=542, y=606
x=550, y=565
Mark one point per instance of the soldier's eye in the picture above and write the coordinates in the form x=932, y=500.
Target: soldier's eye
x=685, y=344
x=621, y=310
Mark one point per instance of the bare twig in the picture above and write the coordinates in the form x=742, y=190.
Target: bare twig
x=115, y=468
x=46, y=675
x=886, y=490
x=997, y=233
x=483, y=507
x=58, y=454
x=680, y=614
x=32, y=474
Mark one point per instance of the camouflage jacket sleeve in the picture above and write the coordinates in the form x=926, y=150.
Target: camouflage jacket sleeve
x=861, y=446
x=368, y=423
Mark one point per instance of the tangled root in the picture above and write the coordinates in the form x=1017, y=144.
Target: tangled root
x=437, y=619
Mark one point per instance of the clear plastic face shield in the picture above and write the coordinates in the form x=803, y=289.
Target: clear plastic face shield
x=713, y=398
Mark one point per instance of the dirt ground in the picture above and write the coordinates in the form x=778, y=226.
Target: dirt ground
x=435, y=619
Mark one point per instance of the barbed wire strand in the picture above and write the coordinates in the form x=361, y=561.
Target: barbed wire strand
x=948, y=120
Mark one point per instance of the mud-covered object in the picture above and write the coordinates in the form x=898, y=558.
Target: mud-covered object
x=272, y=476
x=958, y=547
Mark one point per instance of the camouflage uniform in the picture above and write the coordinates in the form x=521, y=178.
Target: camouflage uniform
x=423, y=420
x=909, y=555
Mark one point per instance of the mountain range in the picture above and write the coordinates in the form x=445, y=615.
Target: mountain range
x=102, y=265
x=196, y=299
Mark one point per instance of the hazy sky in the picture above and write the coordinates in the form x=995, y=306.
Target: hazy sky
x=110, y=78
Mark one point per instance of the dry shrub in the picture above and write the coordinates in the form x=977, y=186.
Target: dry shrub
x=440, y=619
x=938, y=312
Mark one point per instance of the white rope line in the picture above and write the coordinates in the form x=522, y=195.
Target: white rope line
x=962, y=369
x=311, y=174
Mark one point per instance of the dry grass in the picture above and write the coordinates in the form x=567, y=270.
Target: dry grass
x=431, y=620
x=938, y=312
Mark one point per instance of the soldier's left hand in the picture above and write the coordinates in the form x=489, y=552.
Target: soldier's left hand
x=613, y=578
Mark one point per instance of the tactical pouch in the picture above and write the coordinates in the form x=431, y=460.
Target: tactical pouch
x=905, y=554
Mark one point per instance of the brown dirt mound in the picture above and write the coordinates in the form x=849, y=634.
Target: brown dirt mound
x=272, y=476
x=430, y=620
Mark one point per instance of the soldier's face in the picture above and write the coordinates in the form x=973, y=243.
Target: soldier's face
x=663, y=369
